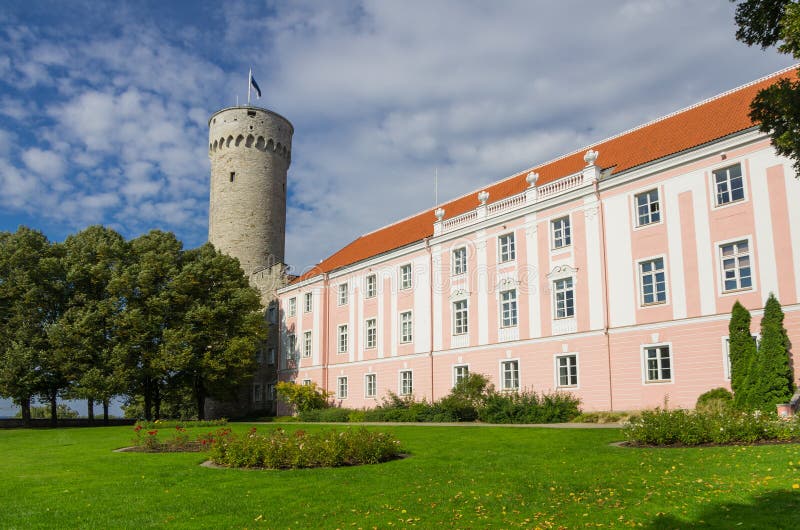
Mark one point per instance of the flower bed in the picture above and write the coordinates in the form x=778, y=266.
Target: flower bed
x=662, y=427
x=281, y=450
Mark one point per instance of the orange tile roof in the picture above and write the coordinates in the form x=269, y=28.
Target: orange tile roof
x=705, y=122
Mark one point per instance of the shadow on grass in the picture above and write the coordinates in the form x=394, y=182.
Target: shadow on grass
x=775, y=510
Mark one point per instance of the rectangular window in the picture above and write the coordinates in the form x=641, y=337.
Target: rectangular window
x=272, y=313
x=406, y=333
x=459, y=261
x=735, y=261
x=510, y=375
x=567, y=366
x=658, y=364
x=460, y=317
x=306, y=344
x=291, y=344
x=292, y=309
x=260, y=356
x=342, y=293
x=505, y=244
x=307, y=302
x=648, y=208
x=460, y=373
x=372, y=286
x=271, y=356
x=406, y=383
x=405, y=276
x=371, y=333
x=508, y=308
x=562, y=233
x=306, y=382
x=729, y=184
x=343, y=338
x=370, y=385
x=271, y=392
x=341, y=388
x=563, y=298
x=653, y=282
x=258, y=395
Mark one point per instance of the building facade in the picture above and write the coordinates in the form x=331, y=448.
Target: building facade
x=609, y=272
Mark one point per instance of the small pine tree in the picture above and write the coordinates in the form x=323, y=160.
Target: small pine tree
x=742, y=352
x=773, y=381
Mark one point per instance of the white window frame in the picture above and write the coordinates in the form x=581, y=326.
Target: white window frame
x=343, y=294
x=506, y=247
x=291, y=345
x=653, y=207
x=341, y=387
x=557, y=366
x=645, y=365
x=371, y=288
x=459, y=261
x=641, y=276
x=371, y=341
x=509, y=311
x=561, y=232
x=308, y=302
x=402, y=389
x=406, y=321
x=714, y=186
x=258, y=393
x=291, y=309
x=564, y=291
x=307, y=343
x=306, y=382
x=503, y=364
x=271, y=395
x=464, y=328
x=343, y=340
x=721, y=259
x=373, y=386
x=406, y=281
x=456, y=376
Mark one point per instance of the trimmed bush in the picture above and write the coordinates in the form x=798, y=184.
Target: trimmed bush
x=662, y=427
x=281, y=450
x=529, y=407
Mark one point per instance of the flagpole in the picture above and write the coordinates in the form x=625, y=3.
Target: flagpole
x=249, y=84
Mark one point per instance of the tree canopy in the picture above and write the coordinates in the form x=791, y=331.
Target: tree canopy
x=96, y=317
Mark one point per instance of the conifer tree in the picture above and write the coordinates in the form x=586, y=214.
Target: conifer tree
x=773, y=382
x=742, y=353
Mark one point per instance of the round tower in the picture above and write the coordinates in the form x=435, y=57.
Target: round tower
x=250, y=150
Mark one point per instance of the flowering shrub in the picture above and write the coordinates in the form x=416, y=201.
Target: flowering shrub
x=146, y=438
x=682, y=427
x=281, y=450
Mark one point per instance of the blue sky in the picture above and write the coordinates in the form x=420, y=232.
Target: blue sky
x=104, y=105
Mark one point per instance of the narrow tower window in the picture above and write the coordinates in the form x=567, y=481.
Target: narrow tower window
x=233, y=175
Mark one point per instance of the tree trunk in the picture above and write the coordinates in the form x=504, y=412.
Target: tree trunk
x=25, y=406
x=157, y=402
x=200, y=399
x=105, y=411
x=53, y=409
x=90, y=409
x=148, y=400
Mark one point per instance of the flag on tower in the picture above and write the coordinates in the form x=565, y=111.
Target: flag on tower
x=255, y=85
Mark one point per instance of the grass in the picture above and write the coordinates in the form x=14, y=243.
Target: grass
x=459, y=477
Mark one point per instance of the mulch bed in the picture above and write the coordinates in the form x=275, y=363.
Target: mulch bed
x=190, y=447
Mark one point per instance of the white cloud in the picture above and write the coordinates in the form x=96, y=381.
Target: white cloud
x=47, y=164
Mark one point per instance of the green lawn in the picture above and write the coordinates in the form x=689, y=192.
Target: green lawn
x=460, y=477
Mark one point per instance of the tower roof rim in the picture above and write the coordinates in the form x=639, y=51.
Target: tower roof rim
x=251, y=107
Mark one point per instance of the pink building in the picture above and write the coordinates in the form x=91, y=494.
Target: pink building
x=609, y=272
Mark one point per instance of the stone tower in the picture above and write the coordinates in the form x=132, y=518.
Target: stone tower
x=250, y=150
